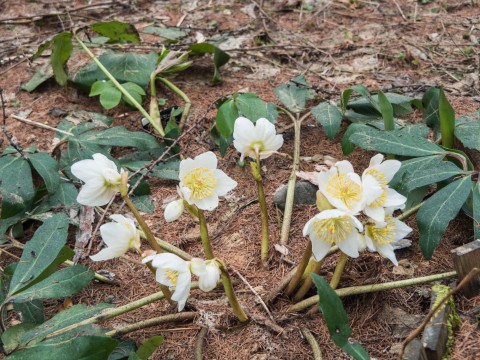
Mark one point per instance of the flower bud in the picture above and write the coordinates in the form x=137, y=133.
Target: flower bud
x=173, y=210
x=322, y=202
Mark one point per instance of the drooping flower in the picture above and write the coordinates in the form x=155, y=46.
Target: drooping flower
x=380, y=174
x=173, y=210
x=381, y=236
x=207, y=271
x=101, y=178
x=201, y=183
x=172, y=271
x=119, y=236
x=332, y=227
x=343, y=188
x=259, y=138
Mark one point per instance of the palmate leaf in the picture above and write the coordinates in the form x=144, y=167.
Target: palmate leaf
x=437, y=212
x=117, y=31
x=329, y=117
x=336, y=319
x=441, y=171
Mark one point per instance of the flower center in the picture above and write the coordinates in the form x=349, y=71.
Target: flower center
x=171, y=276
x=378, y=175
x=381, y=199
x=341, y=187
x=332, y=230
x=257, y=146
x=112, y=178
x=383, y=235
x=201, y=182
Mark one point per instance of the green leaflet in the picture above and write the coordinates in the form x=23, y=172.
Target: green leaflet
x=117, y=31
x=437, y=212
x=293, y=94
x=47, y=167
x=441, y=171
x=220, y=58
x=467, y=130
x=329, y=117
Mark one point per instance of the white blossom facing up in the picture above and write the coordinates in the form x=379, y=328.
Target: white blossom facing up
x=173, y=210
x=207, y=271
x=259, y=138
x=201, y=183
x=119, y=236
x=332, y=227
x=101, y=178
x=173, y=272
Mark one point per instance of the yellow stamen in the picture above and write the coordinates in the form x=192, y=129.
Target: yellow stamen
x=171, y=276
x=378, y=175
x=381, y=199
x=332, y=230
x=201, y=182
x=383, y=235
x=341, y=187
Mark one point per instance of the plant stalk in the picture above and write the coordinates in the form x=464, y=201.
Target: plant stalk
x=207, y=247
x=317, y=353
x=292, y=285
x=307, y=283
x=185, y=98
x=169, y=247
x=337, y=274
x=365, y=289
x=256, y=172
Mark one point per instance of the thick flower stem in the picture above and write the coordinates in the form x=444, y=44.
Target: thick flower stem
x=365, y=289
x=337, y=274
x=256, y=172
x=300, y=270
x=410, y=211
x=169, y=247
x=120, y=87
x=207, y=247
x=188, y=103
x=307, y=283
x=230, y=292
x=317, y=354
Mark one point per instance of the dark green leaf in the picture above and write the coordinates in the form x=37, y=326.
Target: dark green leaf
x=130, y=67
x=66, y=195
x=47, y=167
x=336, y=319
x=430, y=103
x=386, y=110
x=123, y=350
x=117, y=31
x=144, y=203
x=226, y=115
x=293, y=94
x=441, y=171
x=42, y=75
x=394, y=142
x=40, y=252
x=135, y=91
x=467, y=130
x=437, y=212
x=412, y=165
x=347, y=145
x=110, y=96
x=16, y=185
x=220, y=57
x=31, y=312
x=62, y=320
x=149, y=346
x=63, y=283
x=476, y=210
x=118, y=136
x=61, y=51
x=77, y=348
x=252, y=107
x=329, y=117
x=371, y=119
x=401, y=105
x=362, y=90
x=11, y=337
x=447, y=120
x=167, y=170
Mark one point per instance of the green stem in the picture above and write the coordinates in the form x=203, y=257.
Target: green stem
x=337, y=274
x=120, y=87
x=207, y=247
x=410, y=211
x=365, y=289
x=256, y=172
x=315, y=267
x=317, y=354
x=300, y=270
x=230, y=292
x=169, y=247
x=184, y=316
x=97, y=276
x=185, y=98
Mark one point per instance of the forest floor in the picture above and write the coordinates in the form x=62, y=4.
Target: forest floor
x=403, y=46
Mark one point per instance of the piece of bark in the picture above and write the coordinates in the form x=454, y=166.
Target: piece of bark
x=85, y=228
x=465, y=258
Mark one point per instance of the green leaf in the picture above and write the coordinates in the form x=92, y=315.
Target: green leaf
x=117, y=31
x=441, y=171
x=336, y=319
x=31, y=312
x=437, y=212
x=431, y=113
x=393, y=142
x=386, y=110
x=447, y=120
x=412, y=165
x=144, y=203
x=252, y=107
x=63, y=283
x=11, y=337
x=42, y=75
x=135, y=91
x=110, y=96
x=123, y=350
x=226, y=115
x=293, y=94
x=362, y=90
x=329, y=117
x=47, y=167
x=61, y=50
x=66, y=195
x=77, y=348
x=17, y=191
x=118, y=136
x=347, y=145
x=40, y=252
x=220, y=57
x=476, y=210
x=401, y=105
x=129, y=67
x=467, y=130
x=62, y=320
x=149, y=346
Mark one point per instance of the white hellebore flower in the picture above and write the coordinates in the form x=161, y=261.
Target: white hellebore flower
x=173, y=210
x=201, y=183
x=380, y=174
x=381, y=236
x=333, y=227
x=119, y=236
x=259, y=138
x=101, y=178
x=172, y=271
x=207, y=271
x=343, y=188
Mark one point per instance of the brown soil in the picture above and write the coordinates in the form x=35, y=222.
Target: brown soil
x=398, y=45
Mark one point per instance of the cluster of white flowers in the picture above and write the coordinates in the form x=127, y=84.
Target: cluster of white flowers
x=346, y=195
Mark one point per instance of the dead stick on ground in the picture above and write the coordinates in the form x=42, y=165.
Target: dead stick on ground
x=317, y=354
x=200, y=342
x=432, y=312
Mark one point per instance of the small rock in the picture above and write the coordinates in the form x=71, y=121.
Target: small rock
x=305, y=194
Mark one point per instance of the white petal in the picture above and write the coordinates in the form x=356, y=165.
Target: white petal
x=387, y=252
x=362, y=242
x=94, y=193
x=86, y=170
x=208, y=280
x=207, y=160
x=350, y=245
x=224, y=183
x=104, y=162
x=376, y=160
x=173, y=210
x=243, y=130
x=394, y=199
x=264, y=129
x=182, y=290
x=344, y=167
x=170, y=261
x=197, y=266
x=209, y=203
x=355, y=222
x=402, y=229
x=108, y=253
x=274, y=143
x=308, y=225
x=319, y=248
x=120, y=218
x=369, y=242
x=186, y=166
x=371, y=189
x=376, y=213
x=115, y=234
x=389, y=168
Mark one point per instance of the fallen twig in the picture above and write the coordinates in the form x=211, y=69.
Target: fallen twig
x=317, y=354
x=40, y=125
x=200, y=342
